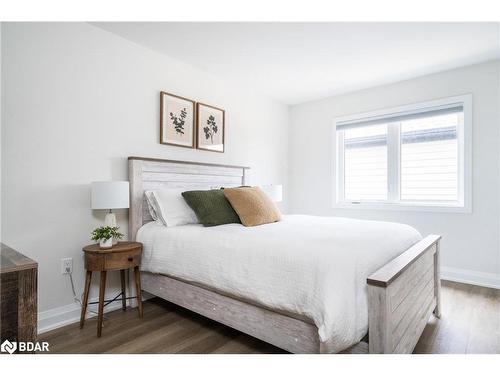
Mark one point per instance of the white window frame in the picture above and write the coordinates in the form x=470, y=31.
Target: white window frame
x=464, y=137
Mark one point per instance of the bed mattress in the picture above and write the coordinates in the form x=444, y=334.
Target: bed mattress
x=308, y=266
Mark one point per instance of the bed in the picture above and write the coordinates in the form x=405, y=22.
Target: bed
x=305, y=284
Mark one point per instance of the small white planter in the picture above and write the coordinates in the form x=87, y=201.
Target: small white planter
x=106, y=244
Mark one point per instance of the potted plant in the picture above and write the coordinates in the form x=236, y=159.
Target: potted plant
x=105, y=235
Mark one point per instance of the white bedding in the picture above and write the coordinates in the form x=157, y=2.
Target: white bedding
x=311, y=266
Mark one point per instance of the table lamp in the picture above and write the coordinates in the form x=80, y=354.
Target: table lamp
x=110, y=195
x=275, y=192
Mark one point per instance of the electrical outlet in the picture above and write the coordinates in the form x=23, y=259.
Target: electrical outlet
x=66, y=265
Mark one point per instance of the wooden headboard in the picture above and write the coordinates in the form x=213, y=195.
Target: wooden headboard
x=150, y=174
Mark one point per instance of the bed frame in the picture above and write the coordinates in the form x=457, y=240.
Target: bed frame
x=401, y=295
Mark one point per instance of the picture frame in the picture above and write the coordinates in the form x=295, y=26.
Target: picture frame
x=210, y=128
x=177, y=120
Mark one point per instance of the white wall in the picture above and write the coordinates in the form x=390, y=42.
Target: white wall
x=470, y=244
x=77, y=102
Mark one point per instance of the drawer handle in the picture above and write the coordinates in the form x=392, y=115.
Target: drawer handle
x=130, y=259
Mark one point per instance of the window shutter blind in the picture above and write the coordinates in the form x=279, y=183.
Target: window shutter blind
x=365, y=163
x=400, y=116
x=429, y=158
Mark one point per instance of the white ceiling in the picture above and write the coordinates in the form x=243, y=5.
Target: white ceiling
x=299, y=62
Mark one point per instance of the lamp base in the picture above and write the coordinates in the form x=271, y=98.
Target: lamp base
x=110, y=221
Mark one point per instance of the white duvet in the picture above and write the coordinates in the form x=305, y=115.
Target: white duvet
x=314, y=267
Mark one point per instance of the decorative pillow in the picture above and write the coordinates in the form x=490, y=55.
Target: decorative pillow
x=211, y=207
x=172, y=209
x=252, y=205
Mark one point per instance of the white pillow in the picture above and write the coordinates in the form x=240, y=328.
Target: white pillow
x=152, y=205
x=172, y=209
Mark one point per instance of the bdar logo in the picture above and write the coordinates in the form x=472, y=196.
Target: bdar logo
x=9, y=347
x=24, y=346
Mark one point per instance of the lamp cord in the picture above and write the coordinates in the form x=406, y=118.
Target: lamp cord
x=79, y=301
x=76, y=299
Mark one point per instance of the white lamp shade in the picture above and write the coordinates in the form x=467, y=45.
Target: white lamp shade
x=275, y=192
x=108, y=195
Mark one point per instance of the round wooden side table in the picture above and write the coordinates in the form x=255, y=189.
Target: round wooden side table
x=122, y=256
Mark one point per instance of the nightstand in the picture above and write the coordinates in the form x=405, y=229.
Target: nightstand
x=122, y=256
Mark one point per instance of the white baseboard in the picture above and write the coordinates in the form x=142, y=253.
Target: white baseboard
x=489, y=280
x=68, y=314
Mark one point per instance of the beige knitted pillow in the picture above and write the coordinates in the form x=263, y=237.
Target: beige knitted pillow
x=252, y=205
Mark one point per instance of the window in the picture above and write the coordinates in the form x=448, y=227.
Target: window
x=365, y=163
x=415, y=156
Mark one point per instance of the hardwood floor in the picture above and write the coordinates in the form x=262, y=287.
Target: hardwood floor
x=470, y=323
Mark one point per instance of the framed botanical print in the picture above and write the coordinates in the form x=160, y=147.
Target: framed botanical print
x=177, y=120
x=210, y=128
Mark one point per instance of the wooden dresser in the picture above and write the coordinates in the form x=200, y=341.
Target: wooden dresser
x=18, y=291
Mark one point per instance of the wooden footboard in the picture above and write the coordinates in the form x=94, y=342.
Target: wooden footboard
x=401, y=297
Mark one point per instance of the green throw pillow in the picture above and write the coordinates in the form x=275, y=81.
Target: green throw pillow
x=211, y=207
